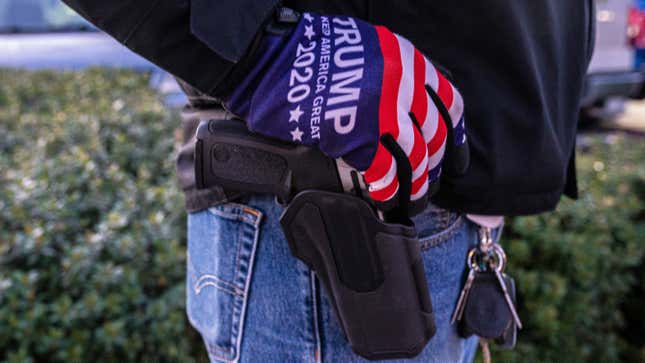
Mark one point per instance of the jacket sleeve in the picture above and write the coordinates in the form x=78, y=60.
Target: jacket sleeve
x=198, y=41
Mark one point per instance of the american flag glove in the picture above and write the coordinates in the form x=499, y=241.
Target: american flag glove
x=361, y=93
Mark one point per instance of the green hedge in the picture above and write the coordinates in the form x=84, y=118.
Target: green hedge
x=581, y=270
x=92, y=235
x=91, y=222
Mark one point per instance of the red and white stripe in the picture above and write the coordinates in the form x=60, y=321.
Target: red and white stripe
x=438, y=132
x=405, y=73
x=434, y=134
x=398, y=91
x=381, y=175
x=412, y=142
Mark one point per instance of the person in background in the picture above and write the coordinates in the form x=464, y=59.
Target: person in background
x=636, y=30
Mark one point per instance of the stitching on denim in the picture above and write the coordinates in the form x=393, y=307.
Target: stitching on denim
x=249, y=277
x=214, y=277
x=240, y=212
x=240, y=239
x=251, y=218
x=315, y=311
x=440, y=237
x=218, y=352
x=218, y=287
x=218, y=284
x=257, y=215
x=217, y=211
x=310, y=336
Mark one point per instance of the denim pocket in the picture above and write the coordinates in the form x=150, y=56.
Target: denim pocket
x=435, y=226
x=221, y=251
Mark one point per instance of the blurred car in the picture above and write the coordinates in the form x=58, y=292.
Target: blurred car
x=46, y=34
x=615, y=73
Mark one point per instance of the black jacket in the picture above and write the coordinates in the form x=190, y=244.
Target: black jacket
x=519, y=64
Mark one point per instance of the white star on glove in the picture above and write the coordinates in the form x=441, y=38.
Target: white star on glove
x=294, y=115
x=309, y=31
x=308, y=17
x=297, y=134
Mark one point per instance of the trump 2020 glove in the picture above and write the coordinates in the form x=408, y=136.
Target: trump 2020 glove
x=357, y=92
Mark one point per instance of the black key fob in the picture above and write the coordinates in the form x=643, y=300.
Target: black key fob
x=486, y=313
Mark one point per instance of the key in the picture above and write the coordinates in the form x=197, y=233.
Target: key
x=507, y=297
x=498, y=266
x=463, y=296
x=509, y=338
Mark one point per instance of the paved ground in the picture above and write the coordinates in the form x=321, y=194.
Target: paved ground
x=633, y=119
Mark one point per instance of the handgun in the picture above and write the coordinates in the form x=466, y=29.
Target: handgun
x=229, y=155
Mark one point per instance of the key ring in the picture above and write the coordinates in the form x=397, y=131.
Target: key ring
x=497, y=251
x=501, y=258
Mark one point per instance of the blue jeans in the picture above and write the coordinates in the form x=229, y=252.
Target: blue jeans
x=252, y=301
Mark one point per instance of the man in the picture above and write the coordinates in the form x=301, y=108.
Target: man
x=518, y=66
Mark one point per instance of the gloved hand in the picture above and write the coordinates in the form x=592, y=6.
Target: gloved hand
x=357, y=92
